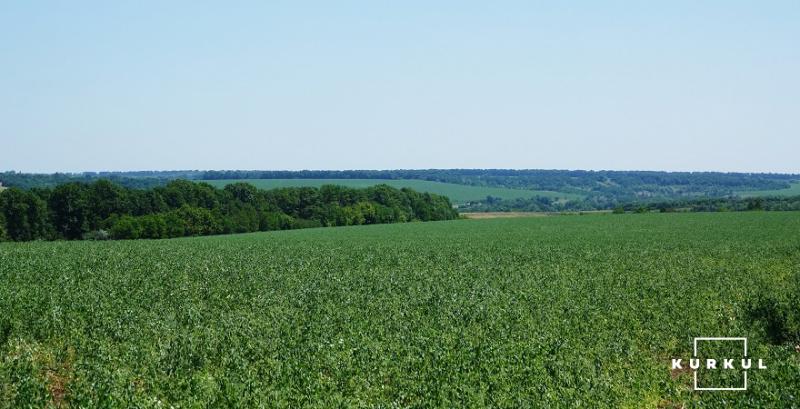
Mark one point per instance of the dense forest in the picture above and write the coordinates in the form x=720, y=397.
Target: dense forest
x=720, y=204
x=136, y=180
x=105, y=210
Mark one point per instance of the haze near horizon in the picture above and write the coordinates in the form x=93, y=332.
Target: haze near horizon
x=676, y=86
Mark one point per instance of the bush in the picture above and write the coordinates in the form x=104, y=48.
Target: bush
x=153, y=227
x=778, y=312
x=97, y=235
x=126, y=227
x=275, y=221
x=198, y=221
x=174, y=226
x=305, y=224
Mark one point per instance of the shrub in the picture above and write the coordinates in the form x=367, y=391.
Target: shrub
x=198, y=221
x=126, y=227
x=97, y=235
x=275, y=221
x=305, y=224
x=174, y=226
x=777, y=310
x=153, y=227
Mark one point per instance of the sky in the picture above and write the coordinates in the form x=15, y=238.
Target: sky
x=161, y=85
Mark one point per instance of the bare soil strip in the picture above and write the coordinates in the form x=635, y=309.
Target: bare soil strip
x=495, y=215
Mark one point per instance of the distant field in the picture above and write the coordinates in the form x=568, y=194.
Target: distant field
x=793, y=190
x=498, y=215
x=457, y=193
x=566, y=311
x=506, y=215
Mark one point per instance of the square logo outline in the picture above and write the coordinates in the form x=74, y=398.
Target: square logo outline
x=743, y=388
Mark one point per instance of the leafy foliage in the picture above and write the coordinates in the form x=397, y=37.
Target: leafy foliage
x=777, y=309
x=182, y=208
x=459, y=194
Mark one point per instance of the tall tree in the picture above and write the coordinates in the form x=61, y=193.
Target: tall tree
x=25, y=215
x=70, y=210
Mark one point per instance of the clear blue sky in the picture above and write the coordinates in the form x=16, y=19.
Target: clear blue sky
x=671, y=85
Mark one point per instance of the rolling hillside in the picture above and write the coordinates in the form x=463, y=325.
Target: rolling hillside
x=794, y=190
x=525, y=312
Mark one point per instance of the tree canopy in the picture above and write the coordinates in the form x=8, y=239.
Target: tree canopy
x=102, y=209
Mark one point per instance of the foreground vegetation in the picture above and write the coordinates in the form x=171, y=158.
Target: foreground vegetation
x=530, y=312
x=103, y=210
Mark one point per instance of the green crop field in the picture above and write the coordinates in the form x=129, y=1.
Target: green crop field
x=457, y=193
x=564, y=311
x=793, y=190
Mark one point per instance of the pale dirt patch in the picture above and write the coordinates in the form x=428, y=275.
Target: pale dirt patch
x=496, y=215
x=57, y=385
x=676, y=373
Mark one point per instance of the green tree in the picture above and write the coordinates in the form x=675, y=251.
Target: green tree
x=755, y=204
x=104, y=199
x=275, y=221
x=174, y=225
x=198, y=221
x=25, y=215
x=243, y=192
x=3, y=236
x=153, y=226
x=126, y=227
x=242, y=219
x=70, y=210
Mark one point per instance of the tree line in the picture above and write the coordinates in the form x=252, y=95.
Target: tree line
x=105, y=210
x=622, y=186
x=729, y=204
x=569, y=181
x=544, y=204
x=137, y=180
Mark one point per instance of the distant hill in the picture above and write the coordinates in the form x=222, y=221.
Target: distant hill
x=458, y=193
x=619, y=185
x=792, y=190
x=546, y=189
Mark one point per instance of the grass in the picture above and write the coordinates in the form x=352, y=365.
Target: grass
x=458, y=194
x=523, y=312
x=793, y=190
